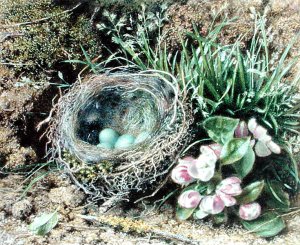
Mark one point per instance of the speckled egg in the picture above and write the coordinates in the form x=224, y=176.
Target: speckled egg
x=125, y=141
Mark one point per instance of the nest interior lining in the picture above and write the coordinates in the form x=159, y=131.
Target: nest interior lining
x=127, y=112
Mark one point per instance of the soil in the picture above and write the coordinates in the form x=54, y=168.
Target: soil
x=23, y=104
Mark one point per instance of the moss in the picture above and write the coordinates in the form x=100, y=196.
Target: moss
x=87, y=173
x=45, y=44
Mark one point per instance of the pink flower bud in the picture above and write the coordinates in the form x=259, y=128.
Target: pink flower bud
x=250, y=211
x=212, y=204
x=230, y=186
x=227, y=199
x=242, y=130
x=180, y=173
x=208, y=149
x=189, y=199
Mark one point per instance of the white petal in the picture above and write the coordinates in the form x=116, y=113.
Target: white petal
x=261, y=149
x=199, y=214
x=260, y=132
x=203, y=174
x=274, y=147
x=207, y=160
x=252, y=124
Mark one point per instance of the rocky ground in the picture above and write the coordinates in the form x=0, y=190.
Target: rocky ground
x=24, y=103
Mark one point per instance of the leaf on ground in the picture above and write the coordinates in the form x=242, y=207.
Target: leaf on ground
x=44, y=223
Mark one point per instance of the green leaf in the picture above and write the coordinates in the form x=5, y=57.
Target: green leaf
x=267, y=225
x=220, y=129
x=245, y=165
x=44, y=223
x=234, y=150
x=184, y=213
x=276, y=198
x=251, y=192
x=200, y=187
x=220, y=218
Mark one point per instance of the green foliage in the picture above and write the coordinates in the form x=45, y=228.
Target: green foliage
x=44, y=223
x=43, y=45
x=222, y=80
x=251, y=192
x=244, y=166
x=268, y=225
x=220, y=129
x=184, y=213
x=275, y=197
x=234, y=150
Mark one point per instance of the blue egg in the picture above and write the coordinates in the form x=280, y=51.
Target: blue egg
x=105, y=146
x=142, y=137
x=108, y=136
x=124, y=141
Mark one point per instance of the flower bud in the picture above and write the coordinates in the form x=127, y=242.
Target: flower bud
x=227, y=199
x=212, y=204
x=180, y=173
x=189, y=199
x=242, y=130
x=250, y=211
x=230, y=186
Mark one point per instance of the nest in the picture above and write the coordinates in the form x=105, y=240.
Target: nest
x=129, y=104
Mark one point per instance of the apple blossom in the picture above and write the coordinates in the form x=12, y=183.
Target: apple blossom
x=216, y=148
x=242, y=130
x=264, y=146
x=230, y=186
x=180, y=173
x=250, y=211
x=204, y=167
x=189, y=199
x=212, y=204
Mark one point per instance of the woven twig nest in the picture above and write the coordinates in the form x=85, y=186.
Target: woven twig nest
x=129, y=104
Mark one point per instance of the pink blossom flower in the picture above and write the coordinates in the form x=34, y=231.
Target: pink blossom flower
x=189, y=199
x=264, y=146
x=212, y=204
x=242, y=130
x=227, y=199
x=250, y=211
x=180, y=173
x=230, y=186
x=204, y=167
x=227, y=189
x=207, y=149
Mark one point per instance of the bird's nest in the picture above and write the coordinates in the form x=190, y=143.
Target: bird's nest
x=129, y=104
